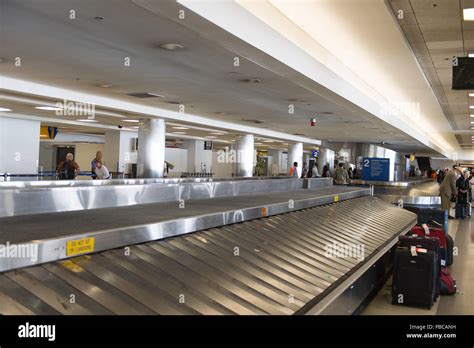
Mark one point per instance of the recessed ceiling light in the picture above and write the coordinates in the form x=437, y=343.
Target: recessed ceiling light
x=468, y=14
x=156, y=95
x=132, y=121
x=471, y=107
x=87, y=120
x=268, y=141
x=471, y=94
x=171, y=46
x=179, y=133
x=105, y=86
x=217, y=133
x=211, y=137
x=135, y=127
x=470, y=55
x=5, y=109
x=180, y=127
x=48, y=108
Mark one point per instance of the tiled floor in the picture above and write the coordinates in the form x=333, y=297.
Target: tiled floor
x=462, y=269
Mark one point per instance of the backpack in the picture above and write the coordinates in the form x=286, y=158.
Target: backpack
x=447, y=282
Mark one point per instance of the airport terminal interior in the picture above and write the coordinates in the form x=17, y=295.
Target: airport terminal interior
x=278, y=157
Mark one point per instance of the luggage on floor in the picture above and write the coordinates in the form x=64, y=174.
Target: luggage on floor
x=430, y=231
x=447, y=283
x=414, y=277
x=430, y=244
x=461, y=210
x=431, y=216
x=449, y=250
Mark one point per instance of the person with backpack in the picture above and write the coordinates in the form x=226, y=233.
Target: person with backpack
x=68, y=169
x=294, y=170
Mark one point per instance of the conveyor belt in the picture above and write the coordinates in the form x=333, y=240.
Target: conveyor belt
x=23, y=228
x=273, y=265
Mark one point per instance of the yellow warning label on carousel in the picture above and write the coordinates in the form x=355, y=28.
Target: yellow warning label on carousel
x=80, y=246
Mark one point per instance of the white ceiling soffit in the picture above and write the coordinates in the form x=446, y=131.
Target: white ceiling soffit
x=353, y=48
x=32, y=88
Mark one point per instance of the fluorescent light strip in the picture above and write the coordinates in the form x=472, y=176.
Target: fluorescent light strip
x=87, y=120
x=5, y=110
x=179, y=126
x=48, y=108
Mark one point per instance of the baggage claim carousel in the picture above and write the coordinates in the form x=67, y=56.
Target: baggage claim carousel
x=195, y=246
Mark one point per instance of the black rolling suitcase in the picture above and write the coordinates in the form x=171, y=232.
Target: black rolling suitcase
x=461, y=210
x=414, y=277
x=431, y=216
x=449, y=250
x=430, y=244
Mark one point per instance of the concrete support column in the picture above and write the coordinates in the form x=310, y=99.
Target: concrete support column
x=295, y=154
x=245, y=156
x=151, y=148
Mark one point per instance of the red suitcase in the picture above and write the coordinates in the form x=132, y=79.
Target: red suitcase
x=430, y=231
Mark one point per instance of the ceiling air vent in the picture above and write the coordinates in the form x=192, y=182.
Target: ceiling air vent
x=253, y=121
x=143, y=95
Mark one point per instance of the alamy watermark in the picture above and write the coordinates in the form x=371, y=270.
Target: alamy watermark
x=346, y=251
x=72, y=108
x=20, y=251
x=406, y=109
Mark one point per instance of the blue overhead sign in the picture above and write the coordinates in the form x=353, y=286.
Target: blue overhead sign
x=314, y=153
x=376, y=169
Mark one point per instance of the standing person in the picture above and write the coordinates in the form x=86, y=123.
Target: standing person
x=294, y=170
x=98, y=157
x=68, y=169
x=304, y=170
x=440, y=176
x=350, y=173
x=462, y=185
x=447, y=191
x=340, y=176
x=326, y=172
x=101, y=171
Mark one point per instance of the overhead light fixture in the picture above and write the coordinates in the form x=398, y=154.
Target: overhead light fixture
x=179, y=127
x=217, y=133
x=211, y=137
x=132, y=121
x=48, y=108
x=105, y=86
x=268, y=141
x=471, y=107
x=135, y=127
x=179, y=133
x=87, y=120
x=471, y=94
x=171, y=46
x=468, y=14
x=156, y=95
x=5, y=109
